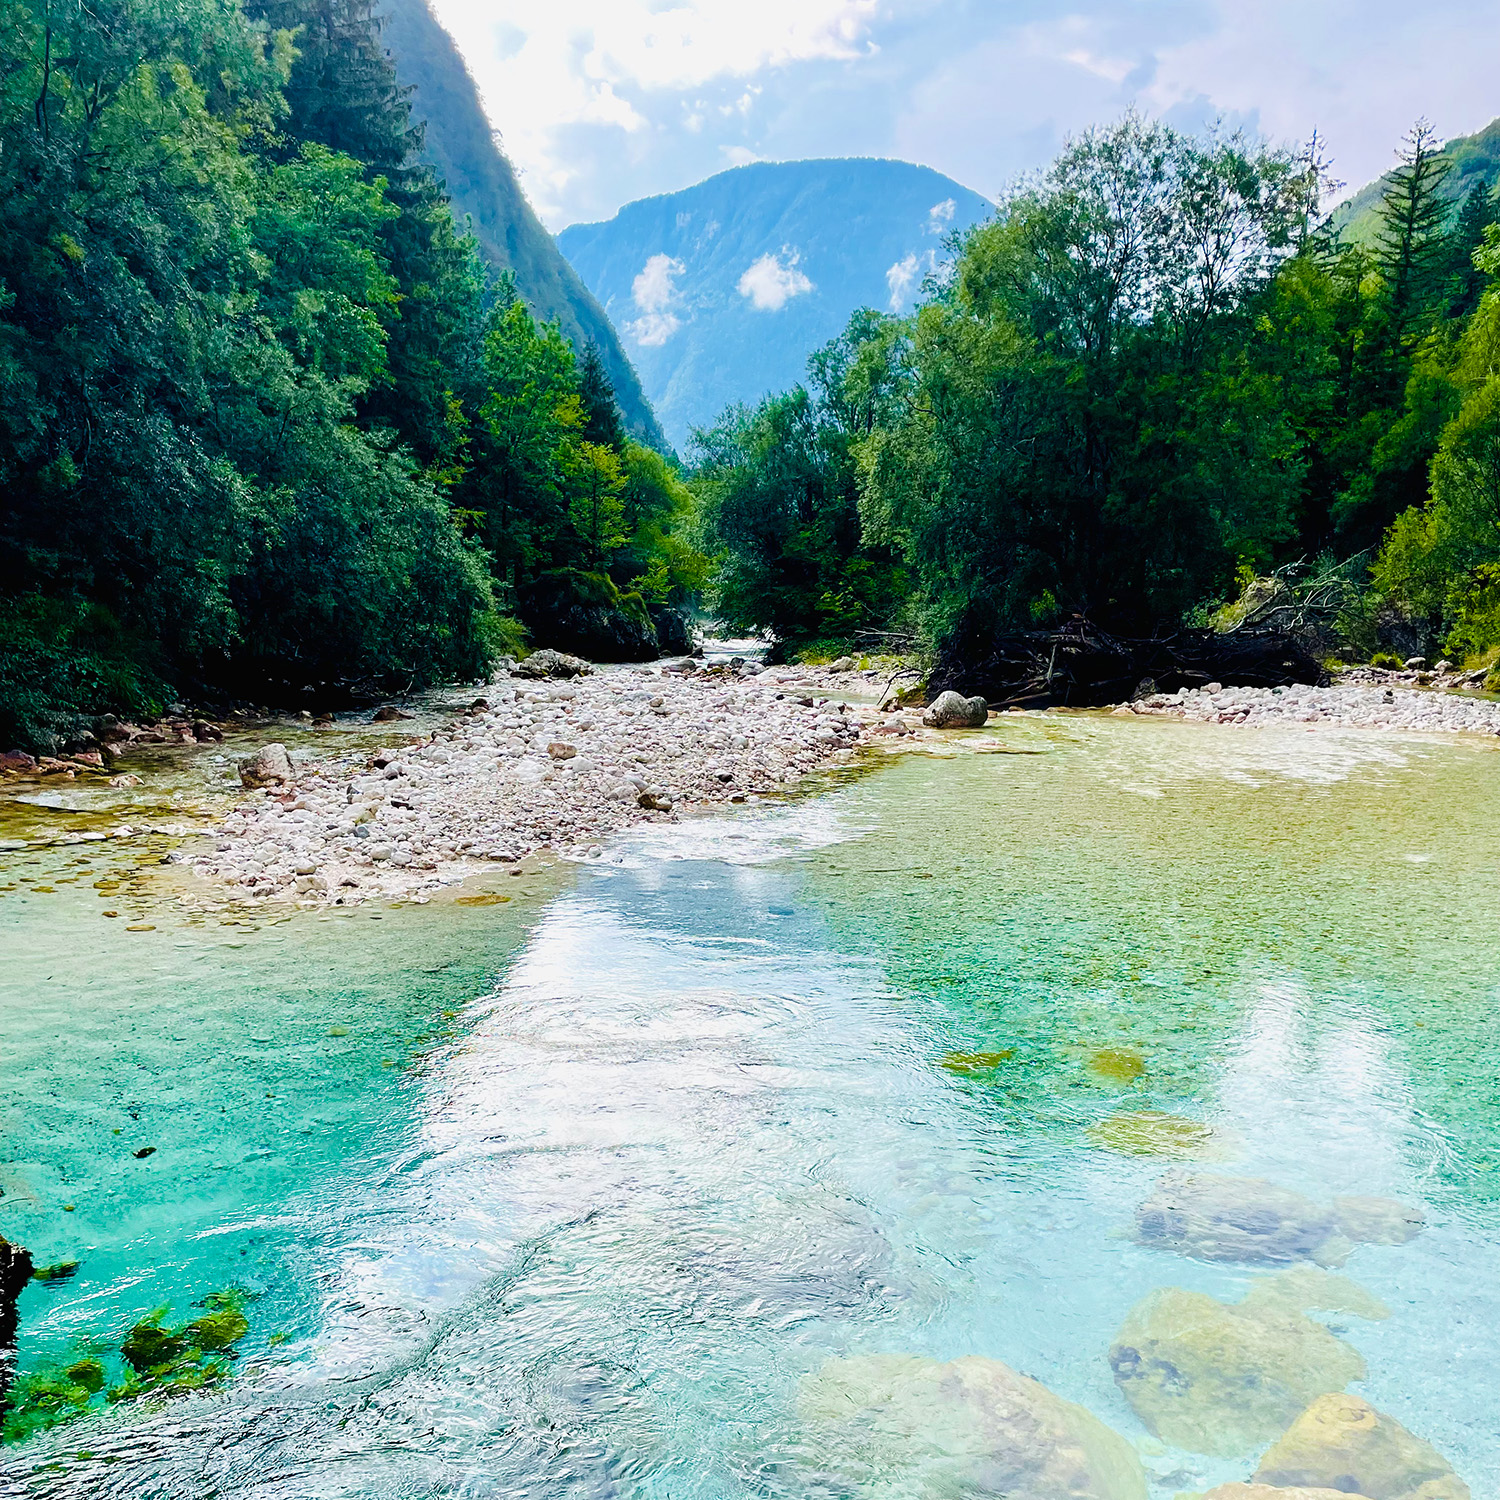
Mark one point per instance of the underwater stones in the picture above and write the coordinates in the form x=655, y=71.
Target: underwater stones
x=1378, y=1221
x=1225, y=1379
x=1341, y=1442
x=1208, y=1217
x=952, y=710
x=269, y=766
x=971, y=1427
x=972, y=1064
x=15, y=1272
x=1117, y=1065
x=1149, y=1132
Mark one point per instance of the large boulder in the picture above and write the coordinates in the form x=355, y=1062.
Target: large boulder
x=549, y=663
x=269, y=766
x=1226, y=1379
x=1342, y=1443
x=674, y=637
x=1209, y=1217
x=952, y=710
x=585, y=613
x=969, y=1428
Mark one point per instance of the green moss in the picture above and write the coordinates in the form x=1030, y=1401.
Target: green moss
x=155, y=1359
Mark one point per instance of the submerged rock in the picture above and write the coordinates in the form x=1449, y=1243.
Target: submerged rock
x=1248, y=1219
x=1225, y=1379
x=952, y=710
x=269, y=766
x=1150, y=1132
x=1269, y=1492
x=972, y=1427
x=1342, y=1443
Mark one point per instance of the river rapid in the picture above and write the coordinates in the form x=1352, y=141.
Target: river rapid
x=567, y=1190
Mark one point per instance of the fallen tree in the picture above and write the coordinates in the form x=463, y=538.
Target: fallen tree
x=1081, y=666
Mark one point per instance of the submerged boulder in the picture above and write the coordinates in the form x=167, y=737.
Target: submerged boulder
x=1209, y=1217
x=952, y=710
x=15, y=1272
x=1342, y=1443
x=972, y=1427
x=1268, y=1492
x=1226, y=1378
x=269, y=766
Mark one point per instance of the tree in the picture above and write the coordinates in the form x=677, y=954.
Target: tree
x=1411, y=243
x=601, y=412
x=1080, y=429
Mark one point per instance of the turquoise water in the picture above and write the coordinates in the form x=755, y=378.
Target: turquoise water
x=567, y=1196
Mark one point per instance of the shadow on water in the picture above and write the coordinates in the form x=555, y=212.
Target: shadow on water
x=575, y=1200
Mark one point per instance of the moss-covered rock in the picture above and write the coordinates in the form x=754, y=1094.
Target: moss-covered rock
x=585, y=613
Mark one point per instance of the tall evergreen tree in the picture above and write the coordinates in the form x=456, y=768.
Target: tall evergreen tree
x=601, y=412
x=1466, y=282
x=1411, y=246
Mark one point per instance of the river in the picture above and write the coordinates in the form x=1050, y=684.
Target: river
x=567, y=1193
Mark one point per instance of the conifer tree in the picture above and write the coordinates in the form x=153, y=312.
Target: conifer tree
x=1411, y=246
x=601, y=412
x=1466, y=281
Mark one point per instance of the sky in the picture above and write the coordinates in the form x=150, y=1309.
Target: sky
x=600, y=102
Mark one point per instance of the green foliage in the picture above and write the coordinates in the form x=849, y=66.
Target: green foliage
x=261, y=433
x=1085, y=426
x=779, y=494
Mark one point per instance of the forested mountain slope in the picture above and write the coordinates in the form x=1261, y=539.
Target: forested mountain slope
x=721, y=291
x=483, y=186
x=1474, y=162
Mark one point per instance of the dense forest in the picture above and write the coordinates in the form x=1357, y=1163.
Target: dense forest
x=1159, y=372
x=273, y=431
x=268, y=429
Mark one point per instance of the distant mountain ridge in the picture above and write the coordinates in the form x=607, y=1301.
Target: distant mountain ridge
x=483, y=186
x=722, y=290
x=1475, y=162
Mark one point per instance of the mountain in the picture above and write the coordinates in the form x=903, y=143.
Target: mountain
x=721, y=291
x=483, y=187
x=1475, y=163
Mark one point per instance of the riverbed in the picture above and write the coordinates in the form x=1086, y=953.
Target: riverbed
x=570, y=1191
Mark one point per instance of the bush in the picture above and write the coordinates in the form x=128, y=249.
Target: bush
x=62, y=664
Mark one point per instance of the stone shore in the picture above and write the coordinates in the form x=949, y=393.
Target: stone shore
x=538, y=765
x=1353, y=704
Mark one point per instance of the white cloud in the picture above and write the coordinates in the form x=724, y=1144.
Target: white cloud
x=543, y=71
x=940, y=215
x=905, y=277
x=770, y=284
x=654, y=291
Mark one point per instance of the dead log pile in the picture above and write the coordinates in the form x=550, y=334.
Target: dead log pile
x=1081, y=666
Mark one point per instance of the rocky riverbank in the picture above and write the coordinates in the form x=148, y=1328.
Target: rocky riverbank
x=1370, y=701
x=556, y=764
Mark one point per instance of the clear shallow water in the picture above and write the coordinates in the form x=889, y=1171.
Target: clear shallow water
x=588, y=1182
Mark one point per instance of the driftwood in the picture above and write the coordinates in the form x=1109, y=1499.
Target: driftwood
x=1081, y=666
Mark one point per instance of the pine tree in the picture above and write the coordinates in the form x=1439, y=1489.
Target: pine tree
x=601, y=412
x=1411, y=246
x=1466, y=283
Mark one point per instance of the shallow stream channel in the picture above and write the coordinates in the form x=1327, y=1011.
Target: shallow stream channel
x=1158, y=1063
